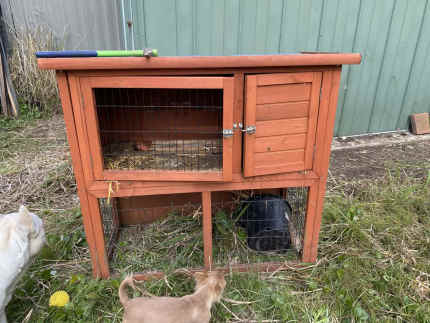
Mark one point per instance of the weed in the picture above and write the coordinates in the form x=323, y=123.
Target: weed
x=36, y=88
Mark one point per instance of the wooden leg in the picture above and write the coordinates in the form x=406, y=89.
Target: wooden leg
x=207, y=229
x=100, y=252
x=89, y=232
x=312, y=223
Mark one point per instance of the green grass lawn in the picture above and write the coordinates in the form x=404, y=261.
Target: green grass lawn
x=374, y=251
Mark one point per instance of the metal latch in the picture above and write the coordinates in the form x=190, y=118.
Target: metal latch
x=249, y=130
x=227, y=133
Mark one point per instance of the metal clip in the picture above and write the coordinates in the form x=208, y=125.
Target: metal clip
x=227, y=133
x=249, y=130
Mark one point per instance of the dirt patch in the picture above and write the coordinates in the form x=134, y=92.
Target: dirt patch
x=373, y=162
x=35, y=168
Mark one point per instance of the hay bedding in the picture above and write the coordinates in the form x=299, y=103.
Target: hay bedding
x=185, y=155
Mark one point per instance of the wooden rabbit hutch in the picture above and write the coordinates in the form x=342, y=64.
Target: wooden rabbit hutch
x=198, y=125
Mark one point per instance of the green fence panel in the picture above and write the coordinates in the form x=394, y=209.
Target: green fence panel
x=379, y=95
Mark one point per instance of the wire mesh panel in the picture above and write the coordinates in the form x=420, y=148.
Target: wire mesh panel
x=169, y=242
x=247, y=228
x=262, y=228
x=109, y=214
x=160, y=129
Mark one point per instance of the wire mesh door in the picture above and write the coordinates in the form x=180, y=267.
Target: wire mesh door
x=149, y=128
x=250, y=230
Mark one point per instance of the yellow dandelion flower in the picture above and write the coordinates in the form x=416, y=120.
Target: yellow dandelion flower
x=59, y=298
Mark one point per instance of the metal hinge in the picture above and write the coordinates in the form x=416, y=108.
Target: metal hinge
x=227, y=133
x=249, y=130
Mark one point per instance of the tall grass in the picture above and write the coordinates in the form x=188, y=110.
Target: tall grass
x=35, y=88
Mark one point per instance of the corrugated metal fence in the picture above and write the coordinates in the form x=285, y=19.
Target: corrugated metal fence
x=379, y=95
x=79, y=24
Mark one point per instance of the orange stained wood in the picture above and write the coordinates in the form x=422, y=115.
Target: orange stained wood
x=250, y=120
x=227, y=143
x=81, y=128
x=328, y=102
x=64, y=91
x=92, y=126
x=312, y=121
x=279, y=157
x=239, y=86
x=285, y=122
x=192, y=62
x=291, y=99
x=154, y=82
x=323, y=160
x=280, y=143
x=281, y=127
x=101, y=254
x=284, y=78
x=283, y=93
x=207, y=228
x=136, y=188
x=282, y=111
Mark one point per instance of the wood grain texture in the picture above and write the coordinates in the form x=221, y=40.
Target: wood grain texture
x=313, y=116
x=66, y=103
x=284, y=78
x=112, y=63
x=281, y=127
x=239, y=87
x=324, y=159
x=279, y=157
x=278, y=111
x=96, y=219
x=92, y=126
x=283, y=93
x=326, y=121
x=239, y=182
x=207, y=229
x=153, y=82
x=279, y=162
x=280, y=143
x=250, y=120
x=161, y=175
x=227, y=143
x=81, y=127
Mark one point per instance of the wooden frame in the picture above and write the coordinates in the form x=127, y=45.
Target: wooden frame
x=239, y=77
x=283, y=108
x=87, y=84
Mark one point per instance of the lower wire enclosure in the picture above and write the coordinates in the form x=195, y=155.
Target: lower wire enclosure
x=248, y=228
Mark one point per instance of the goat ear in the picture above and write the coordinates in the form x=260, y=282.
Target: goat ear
x=200, y=276
x=25, y=218
x=218, y=289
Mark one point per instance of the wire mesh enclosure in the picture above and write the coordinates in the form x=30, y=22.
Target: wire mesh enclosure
x=160, y=129
x=262, y=228
x=247, y=228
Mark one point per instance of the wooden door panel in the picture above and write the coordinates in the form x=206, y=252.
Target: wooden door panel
x=280, y=143
x=226, y=84
x=281, y=127
x=282, y=111
x=283, y=108
x=283, y=93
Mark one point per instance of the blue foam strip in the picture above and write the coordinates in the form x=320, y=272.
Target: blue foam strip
x=67, y=53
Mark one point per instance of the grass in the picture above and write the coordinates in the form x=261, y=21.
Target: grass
x=374, y=252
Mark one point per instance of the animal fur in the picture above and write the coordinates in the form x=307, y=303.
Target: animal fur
x=194, y=308
x=21, y=237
